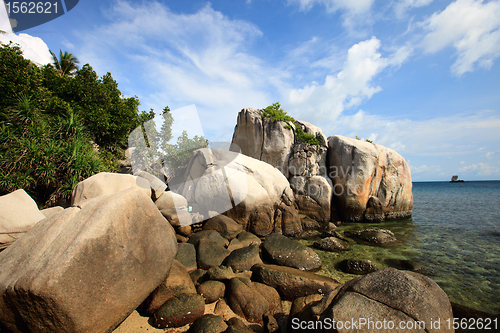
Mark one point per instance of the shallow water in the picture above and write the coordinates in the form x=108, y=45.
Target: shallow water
x=454, y=230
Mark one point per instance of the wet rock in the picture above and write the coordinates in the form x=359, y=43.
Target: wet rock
x=243, y=259
x=408, y=265
x=374, y=236
x=332, y=244
x=357, y=266
x=292, y=283
x=286, y=252
x=179, y=311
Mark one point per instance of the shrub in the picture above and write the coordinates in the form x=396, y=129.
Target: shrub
x=274, y=112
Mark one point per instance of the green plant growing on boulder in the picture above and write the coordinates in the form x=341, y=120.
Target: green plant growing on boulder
x=274, y=112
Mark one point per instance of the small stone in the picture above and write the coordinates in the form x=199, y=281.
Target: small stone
x=357, y=266
x=211, y=290
x=208, y=323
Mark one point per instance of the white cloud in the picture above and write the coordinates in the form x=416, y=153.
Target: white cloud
x=34, y=48
x=351, y=86
x=199, y=58
x=356, y=11
x=481, y=169
x=460, y=134
x=402, y=6
x=472, y=27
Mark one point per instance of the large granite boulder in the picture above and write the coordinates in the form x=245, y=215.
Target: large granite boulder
x=370, y=182
x=389, y=296
x=85, y=269
x=105, y=183
x=251, y=192
x=18, y=214
x=276, y=143
x=263, y=139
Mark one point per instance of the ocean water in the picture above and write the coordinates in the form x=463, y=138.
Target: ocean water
x=454, y=231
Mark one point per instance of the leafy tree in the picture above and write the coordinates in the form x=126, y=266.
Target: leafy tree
x=48, y=123
x=66, y=65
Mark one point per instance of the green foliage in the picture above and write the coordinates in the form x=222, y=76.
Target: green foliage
x=274, y=112
x=66, y=65
x=48, y=122
x=370, y=141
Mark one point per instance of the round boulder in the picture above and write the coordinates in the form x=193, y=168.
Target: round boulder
x=357, y=266
x=287, y=252
x=226, y=226
x=332, y=244
x=374, y=236
x=179, y=311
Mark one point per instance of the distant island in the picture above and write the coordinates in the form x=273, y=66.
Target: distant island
x=454, y=179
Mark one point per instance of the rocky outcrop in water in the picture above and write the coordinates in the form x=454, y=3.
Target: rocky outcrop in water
x=370, y=182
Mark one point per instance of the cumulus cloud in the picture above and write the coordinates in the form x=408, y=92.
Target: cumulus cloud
x=201, y=58
x=34, y=48
x=471, y=27
x=351, y=86
x=481, y=169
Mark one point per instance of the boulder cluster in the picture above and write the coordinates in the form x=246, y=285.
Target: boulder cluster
x=123, y=251
x=340, y=178
x=220, y=252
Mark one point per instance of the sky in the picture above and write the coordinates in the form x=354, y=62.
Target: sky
x=419, y=76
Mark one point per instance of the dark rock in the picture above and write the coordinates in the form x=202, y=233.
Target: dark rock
x=292, y=283
x=332, y=244
x=220, y=273
x=251, y=299
x=335, y=234
x=212, y=235
x=308, y=234
x=226, y=226
x=234, y=244
x=309, y=223
x=211, y=290
x=243, y=259
x=286, y=252
x=270, y=323
x=179, y=311
x=374, y=236
x=198, y=276
x=208, y=323
x=357, y=266
x=392, y=295
x=177, y=282
x=236, y=325
x=186, y=255
x=408, y=265
x=210, y=253
x=247, y=238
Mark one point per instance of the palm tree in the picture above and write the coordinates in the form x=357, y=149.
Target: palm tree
x=66, y=64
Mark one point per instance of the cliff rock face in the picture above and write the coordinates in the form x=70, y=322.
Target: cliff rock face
x=370, y=182
x=249, y=191
x=304, y=165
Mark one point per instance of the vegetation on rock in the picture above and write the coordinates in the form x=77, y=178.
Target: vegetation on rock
x=274, y=112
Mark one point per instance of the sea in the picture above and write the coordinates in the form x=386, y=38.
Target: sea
x=454, y=232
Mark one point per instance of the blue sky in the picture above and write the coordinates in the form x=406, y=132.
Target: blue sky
x=419, y=76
